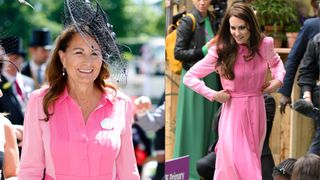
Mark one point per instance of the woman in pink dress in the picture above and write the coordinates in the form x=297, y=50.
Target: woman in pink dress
x=79, y=127
x=242, y=57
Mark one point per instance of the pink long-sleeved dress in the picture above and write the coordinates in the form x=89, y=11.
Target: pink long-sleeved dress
x=70, y=149
x=242, y=124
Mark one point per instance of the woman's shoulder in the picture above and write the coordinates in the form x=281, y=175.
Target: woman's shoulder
x=5, y=120
x=123, y=96
x=266, y=44
x=40, y=92
x=311, y=22
x=188, y=19
x=266, y=40
x=6, y=123
x=117, y=94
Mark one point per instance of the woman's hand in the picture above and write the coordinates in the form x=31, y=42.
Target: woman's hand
x=271, y=86
x=222, y=96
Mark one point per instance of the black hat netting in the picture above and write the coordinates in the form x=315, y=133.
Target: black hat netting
x=89, y=18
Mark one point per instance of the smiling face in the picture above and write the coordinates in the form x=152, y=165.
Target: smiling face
x=239, y=30
x=82, y=62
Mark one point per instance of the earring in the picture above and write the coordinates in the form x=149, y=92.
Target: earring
x=63, y=71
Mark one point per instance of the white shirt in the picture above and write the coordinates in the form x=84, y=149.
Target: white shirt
x=34, y=70
x=11, y=79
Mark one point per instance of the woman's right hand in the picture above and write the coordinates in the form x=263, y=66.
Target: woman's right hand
x=222, y=96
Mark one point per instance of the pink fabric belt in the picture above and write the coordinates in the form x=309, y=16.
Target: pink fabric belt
x=67, y=177
x=47, y=177
x=244, y=94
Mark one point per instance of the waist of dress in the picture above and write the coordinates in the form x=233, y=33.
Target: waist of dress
x=244, y=94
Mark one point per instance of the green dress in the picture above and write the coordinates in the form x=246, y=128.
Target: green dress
x=194, y=124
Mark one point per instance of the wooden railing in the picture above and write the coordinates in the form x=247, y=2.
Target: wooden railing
x=291, y=132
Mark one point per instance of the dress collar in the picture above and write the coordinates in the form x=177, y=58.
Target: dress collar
x=108, y=96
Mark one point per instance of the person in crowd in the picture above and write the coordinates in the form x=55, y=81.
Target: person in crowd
x=153, y=121
x=9, y=154
x=241, y=56
x=309, y=29
x=283, y=171
x=141, y=145
x=315, y=6
x=39, y=48
x=15, y=86
x=146, y=119
x=309, y=82
x=206, y=165
x=194, y=116
x=79, y=126
x=307, y=167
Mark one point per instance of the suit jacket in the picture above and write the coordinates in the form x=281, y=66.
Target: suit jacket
x=309, y=29
x=26, y=70
x=309, y=75
x=9, y=102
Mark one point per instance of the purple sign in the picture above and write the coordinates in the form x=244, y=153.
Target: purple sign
x=177, y=169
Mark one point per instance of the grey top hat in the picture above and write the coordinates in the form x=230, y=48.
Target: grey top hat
x=13, y=45
x=42, y=38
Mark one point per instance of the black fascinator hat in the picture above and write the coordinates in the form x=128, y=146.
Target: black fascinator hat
x=89, y=18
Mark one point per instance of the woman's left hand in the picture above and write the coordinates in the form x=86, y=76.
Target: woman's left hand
x=271, y=86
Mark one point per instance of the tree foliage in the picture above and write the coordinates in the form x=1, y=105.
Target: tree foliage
x=128, y=18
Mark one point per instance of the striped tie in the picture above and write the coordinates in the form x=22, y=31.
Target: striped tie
x=18, y=89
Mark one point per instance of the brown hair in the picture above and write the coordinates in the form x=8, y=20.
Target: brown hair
x=227, y=46
x=307, y=167
x=57, y=82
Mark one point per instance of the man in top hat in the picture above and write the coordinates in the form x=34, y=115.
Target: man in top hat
x=39, y=48
x=15, y=87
